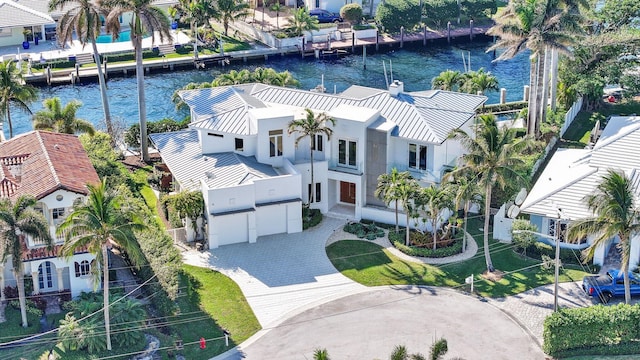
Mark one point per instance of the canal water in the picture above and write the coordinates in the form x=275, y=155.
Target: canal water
x=415, y=66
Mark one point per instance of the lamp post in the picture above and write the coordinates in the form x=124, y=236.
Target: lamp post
x=556, y=238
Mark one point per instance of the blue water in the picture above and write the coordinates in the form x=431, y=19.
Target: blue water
x=124, y=36
x=415, y=67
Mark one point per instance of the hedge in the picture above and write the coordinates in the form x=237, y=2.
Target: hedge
x=567, y=256
x=398, y=240
x=394, y=14
x=592, y=330
x=310, y=218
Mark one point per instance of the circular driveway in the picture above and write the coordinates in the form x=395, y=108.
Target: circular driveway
x=368, y=325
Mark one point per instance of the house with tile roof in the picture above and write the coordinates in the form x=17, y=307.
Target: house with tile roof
x=55, y=169
x=237, y=151
x=571, y=174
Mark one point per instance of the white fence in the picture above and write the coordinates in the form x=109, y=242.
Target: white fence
x=571, y=115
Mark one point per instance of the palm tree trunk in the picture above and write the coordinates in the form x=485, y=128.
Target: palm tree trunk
x=627, y=289
x=21, y=295
x=433, y=228
x=311, y=191
x=544, y=100
x=464, y=233
x=103, y=93
x=397, y=226
x=532, y=113
x=407, y=237
x=539, y=92
x=487, y=212
x=105, y=288
x=554, y=78
x=8, y=117
x=142, y=107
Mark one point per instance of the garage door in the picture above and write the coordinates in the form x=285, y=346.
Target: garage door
x=231, y=229
x=271, y=219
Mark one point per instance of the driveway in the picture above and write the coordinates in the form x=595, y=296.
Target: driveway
x=283, y=273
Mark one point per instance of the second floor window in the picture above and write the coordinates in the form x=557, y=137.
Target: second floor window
x=83, y=268
x=317, y=142
x=57, y=213
x=417, y=157
x=347, y=150
x=275, y=143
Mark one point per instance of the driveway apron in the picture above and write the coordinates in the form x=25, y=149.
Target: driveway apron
x=282, y=274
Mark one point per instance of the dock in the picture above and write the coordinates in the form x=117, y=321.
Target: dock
x=347, y=44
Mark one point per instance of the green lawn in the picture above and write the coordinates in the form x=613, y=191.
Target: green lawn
x=219, y=303
x=578, y=133
x=140, y=177
x=371, y=265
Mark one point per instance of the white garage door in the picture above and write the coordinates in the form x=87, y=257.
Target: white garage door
x=271, y=219
x=232, y=229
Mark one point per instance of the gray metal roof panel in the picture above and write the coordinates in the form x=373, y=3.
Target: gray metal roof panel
x=13, y=14
x=180, y=150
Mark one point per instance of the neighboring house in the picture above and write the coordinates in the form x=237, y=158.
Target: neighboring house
x=55, y=169
x=16, y=17
x=238, y=153
x=333, y=5
x=571, y=174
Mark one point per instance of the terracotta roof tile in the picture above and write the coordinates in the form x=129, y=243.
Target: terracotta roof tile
x=49, y=161
x=39, y=253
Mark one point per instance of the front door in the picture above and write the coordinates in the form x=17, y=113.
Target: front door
x=347, y=192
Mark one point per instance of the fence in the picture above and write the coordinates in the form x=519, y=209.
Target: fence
x=179, y=235
x=571, y=115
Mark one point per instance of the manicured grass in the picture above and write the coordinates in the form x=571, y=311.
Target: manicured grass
x=219, y=303
x=140, y=176
x=580, y=130
x=371, y=265
x=12, y=329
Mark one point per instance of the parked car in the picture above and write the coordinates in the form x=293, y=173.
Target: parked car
x=609, y=285
x=325, y=16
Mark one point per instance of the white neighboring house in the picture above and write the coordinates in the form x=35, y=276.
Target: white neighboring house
x=55, y=169
x=239, y=154
x=18, y=16
x=571, y=174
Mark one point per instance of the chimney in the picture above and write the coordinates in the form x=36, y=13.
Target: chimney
x=396, y=88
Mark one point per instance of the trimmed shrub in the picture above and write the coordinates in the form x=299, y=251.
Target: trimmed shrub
x=454, y=249
x=394, y=14
x=310, y=217
x=590, y=330
x=132, y=136
x=351, y=13
x=363, y=230
x=440, y=11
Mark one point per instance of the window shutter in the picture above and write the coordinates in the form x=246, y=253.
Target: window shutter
x=77, y=269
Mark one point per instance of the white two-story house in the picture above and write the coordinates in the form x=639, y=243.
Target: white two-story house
x=55, y=169
x=238, y=152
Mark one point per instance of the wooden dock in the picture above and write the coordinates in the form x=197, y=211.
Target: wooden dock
x=334, y=48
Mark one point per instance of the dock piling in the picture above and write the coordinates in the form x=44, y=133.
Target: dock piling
x=377, y=40
x=471, y=30
x=449, y=32
x=401, y=36
x=424, y=36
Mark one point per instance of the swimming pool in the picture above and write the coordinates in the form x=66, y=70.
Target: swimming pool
x=106, y=38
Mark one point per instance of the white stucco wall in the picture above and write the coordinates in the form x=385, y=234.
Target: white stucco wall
x=273, y=119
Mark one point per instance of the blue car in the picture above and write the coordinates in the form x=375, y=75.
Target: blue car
x=609, y=285
x=325, y=16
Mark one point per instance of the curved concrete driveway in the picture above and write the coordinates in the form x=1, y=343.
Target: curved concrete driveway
x=281, y=273
x=368, y=325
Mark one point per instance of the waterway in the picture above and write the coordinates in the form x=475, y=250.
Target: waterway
x=415, y=66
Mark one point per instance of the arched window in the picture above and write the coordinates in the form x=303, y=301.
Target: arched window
x=83, y=268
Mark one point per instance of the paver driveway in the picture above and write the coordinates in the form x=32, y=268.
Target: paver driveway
x=281, y=274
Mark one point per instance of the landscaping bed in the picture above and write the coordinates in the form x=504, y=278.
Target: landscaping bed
x=444, y=247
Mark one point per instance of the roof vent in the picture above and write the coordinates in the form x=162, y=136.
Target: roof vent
x=396, y=88
x=210, y=175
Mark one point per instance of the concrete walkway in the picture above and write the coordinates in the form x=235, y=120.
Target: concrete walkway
x=283, y=273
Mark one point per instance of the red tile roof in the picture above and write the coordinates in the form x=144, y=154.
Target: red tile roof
x=49, y=162
x=40, y=253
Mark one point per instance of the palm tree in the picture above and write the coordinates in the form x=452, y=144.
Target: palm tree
x=493, y=155
x=615, y=214
x=301, y=22
x=449, y=80
x=84, y=18
x=277, y=7
x=228, y=11
x=406, y=191
x=14, y=92
x=194, y=12
x=233, y=77
x=466, y=190
x=284, y=78
x=18, y=220
x=61, y=120
x=386, y=188
x=145, y=19
x=536, y=25
x=310, y=127
x=433, y=200
x=478, y=82
x=98, y=225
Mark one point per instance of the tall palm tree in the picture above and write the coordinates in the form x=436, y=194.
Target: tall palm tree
x=615, y=214
x=493, y=154
x=194, y=12
x=62, y=120
x=17, y=220
x=449, y=80
x=386, y=188
x=466, y=190
x=406, y=191
x=301, y=22
x=14, y=92
x=536, y=25
x=309, y=127
x=479, y=81
x=84, y=19
x=433, y=200
x=228, y=11
x=145, y=19
x=98, y=225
